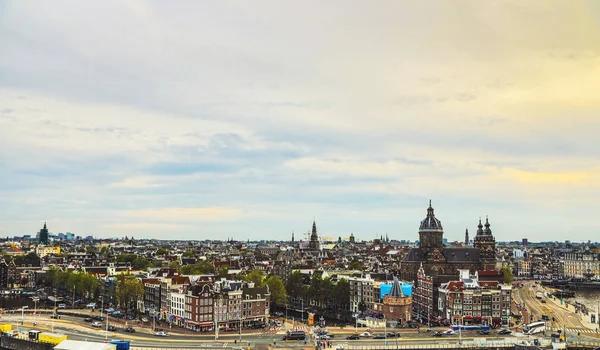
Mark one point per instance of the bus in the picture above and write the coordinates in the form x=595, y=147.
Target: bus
x=295, y=336
x=534, y=328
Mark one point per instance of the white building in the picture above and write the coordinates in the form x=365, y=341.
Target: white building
x=580, y=265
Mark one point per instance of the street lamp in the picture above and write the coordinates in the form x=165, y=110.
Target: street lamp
x=394, y=324
x=23, y=313
x=35, y=300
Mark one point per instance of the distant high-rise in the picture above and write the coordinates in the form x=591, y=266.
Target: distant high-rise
x=524, y=242
x=44, y=234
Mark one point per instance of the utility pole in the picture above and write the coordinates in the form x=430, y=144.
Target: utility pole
x=302, y=299
x=55, y=313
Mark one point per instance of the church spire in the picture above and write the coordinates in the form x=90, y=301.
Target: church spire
x=292, y=236
x=314, y=236
x=467, y=236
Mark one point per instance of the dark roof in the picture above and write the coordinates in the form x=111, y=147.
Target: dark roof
x=253, y=292
x=414, y=254
x=455, y=255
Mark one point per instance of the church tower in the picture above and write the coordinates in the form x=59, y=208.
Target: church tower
x=430, y=233
x=44, y=234
x=467, y=237
x=485, y=241
x=314, y=238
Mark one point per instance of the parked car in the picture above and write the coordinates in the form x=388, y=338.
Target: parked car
x=97, y=324
x=449, y=332
x=112, y=328
x=393, y=335
x=366, y=335
x=353, y=337
x=160, y=334
x=379, y=336
x=129, y=330
x=483, y=332
x=91, y=306
x=438, y=334
x=62, y=306
x=504, y=332
x=88, y=319
x=144, y=319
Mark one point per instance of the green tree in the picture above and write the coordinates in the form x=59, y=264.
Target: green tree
x=341, y=294
x=175, y=265
x=140, y=263
x=294, y=285
x=355, y=265
x=188, y=254
x=104, y=250
x=162, y=251
x=508, y=275
x=128, y=291
x=256, y=276
x=277, y=289
x=223, y=272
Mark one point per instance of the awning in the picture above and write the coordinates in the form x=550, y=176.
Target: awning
x=205, y=324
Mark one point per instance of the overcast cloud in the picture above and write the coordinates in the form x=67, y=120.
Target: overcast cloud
x=221, y=119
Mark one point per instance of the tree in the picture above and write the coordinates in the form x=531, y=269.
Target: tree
x=140, y=263
x=341, y=294
x=129, y=290
x=294, y=285
x=355, y=265
x=257, y=277
x=277, y=290
x=223, y=272
x=175, y=265
x=188, y=254
x=362, y=307
x=162, y=251
x=508, y=275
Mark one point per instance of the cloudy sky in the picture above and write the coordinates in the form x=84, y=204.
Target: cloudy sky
x=246, y=119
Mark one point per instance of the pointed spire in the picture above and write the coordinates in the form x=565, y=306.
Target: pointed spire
x=466, y=236
x=45, y=228
x=487, y=230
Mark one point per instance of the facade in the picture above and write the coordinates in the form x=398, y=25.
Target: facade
x=468, y=301
x=42, y=251
x=199, y=306
x=438, y=260
x=361, y=291
x=395, y=306
x=524, y=268
x=581, y=265
x=423, y=307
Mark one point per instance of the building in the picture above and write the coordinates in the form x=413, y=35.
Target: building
x=314, y=238
x=524, y=268
x=468, y=301
x=395, y=306
x=361, y=292
x=199, y=302
x=438, y=260
x=423, y=307
x=581, y=265
x=44, y=235
x=42, y=251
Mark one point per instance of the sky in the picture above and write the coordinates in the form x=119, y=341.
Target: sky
x=249, y=119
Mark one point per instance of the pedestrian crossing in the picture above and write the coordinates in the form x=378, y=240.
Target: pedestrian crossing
x=575, y=330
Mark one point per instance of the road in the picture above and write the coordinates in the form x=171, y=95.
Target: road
x=76, y=329
x=560, y=317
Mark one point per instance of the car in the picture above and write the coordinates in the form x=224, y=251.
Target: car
x=543, y=301
x=504, y=332
x=91, y=306
x=144, y=319
x=366, y=335
x=62, y=306
x=483, y=332
x=110, y=310
x=88, y=319
x=393, y=335
x=379, y=336
x=438, y=334
x=97, y=324
x=324, y=337
x=449, y=332
x=112, y=328
x=55, y=316
x=129, y=330
x=353, y=337
x=160, y=334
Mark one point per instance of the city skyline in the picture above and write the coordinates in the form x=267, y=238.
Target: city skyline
x=212, y=120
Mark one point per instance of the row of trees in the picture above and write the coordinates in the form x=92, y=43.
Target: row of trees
x=85, y=284
x=321, y=292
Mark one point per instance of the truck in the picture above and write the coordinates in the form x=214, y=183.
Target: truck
x=5, y=327
x=51, y=338
x=539, y=295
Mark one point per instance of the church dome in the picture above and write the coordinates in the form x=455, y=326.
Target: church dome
x=431, y=223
